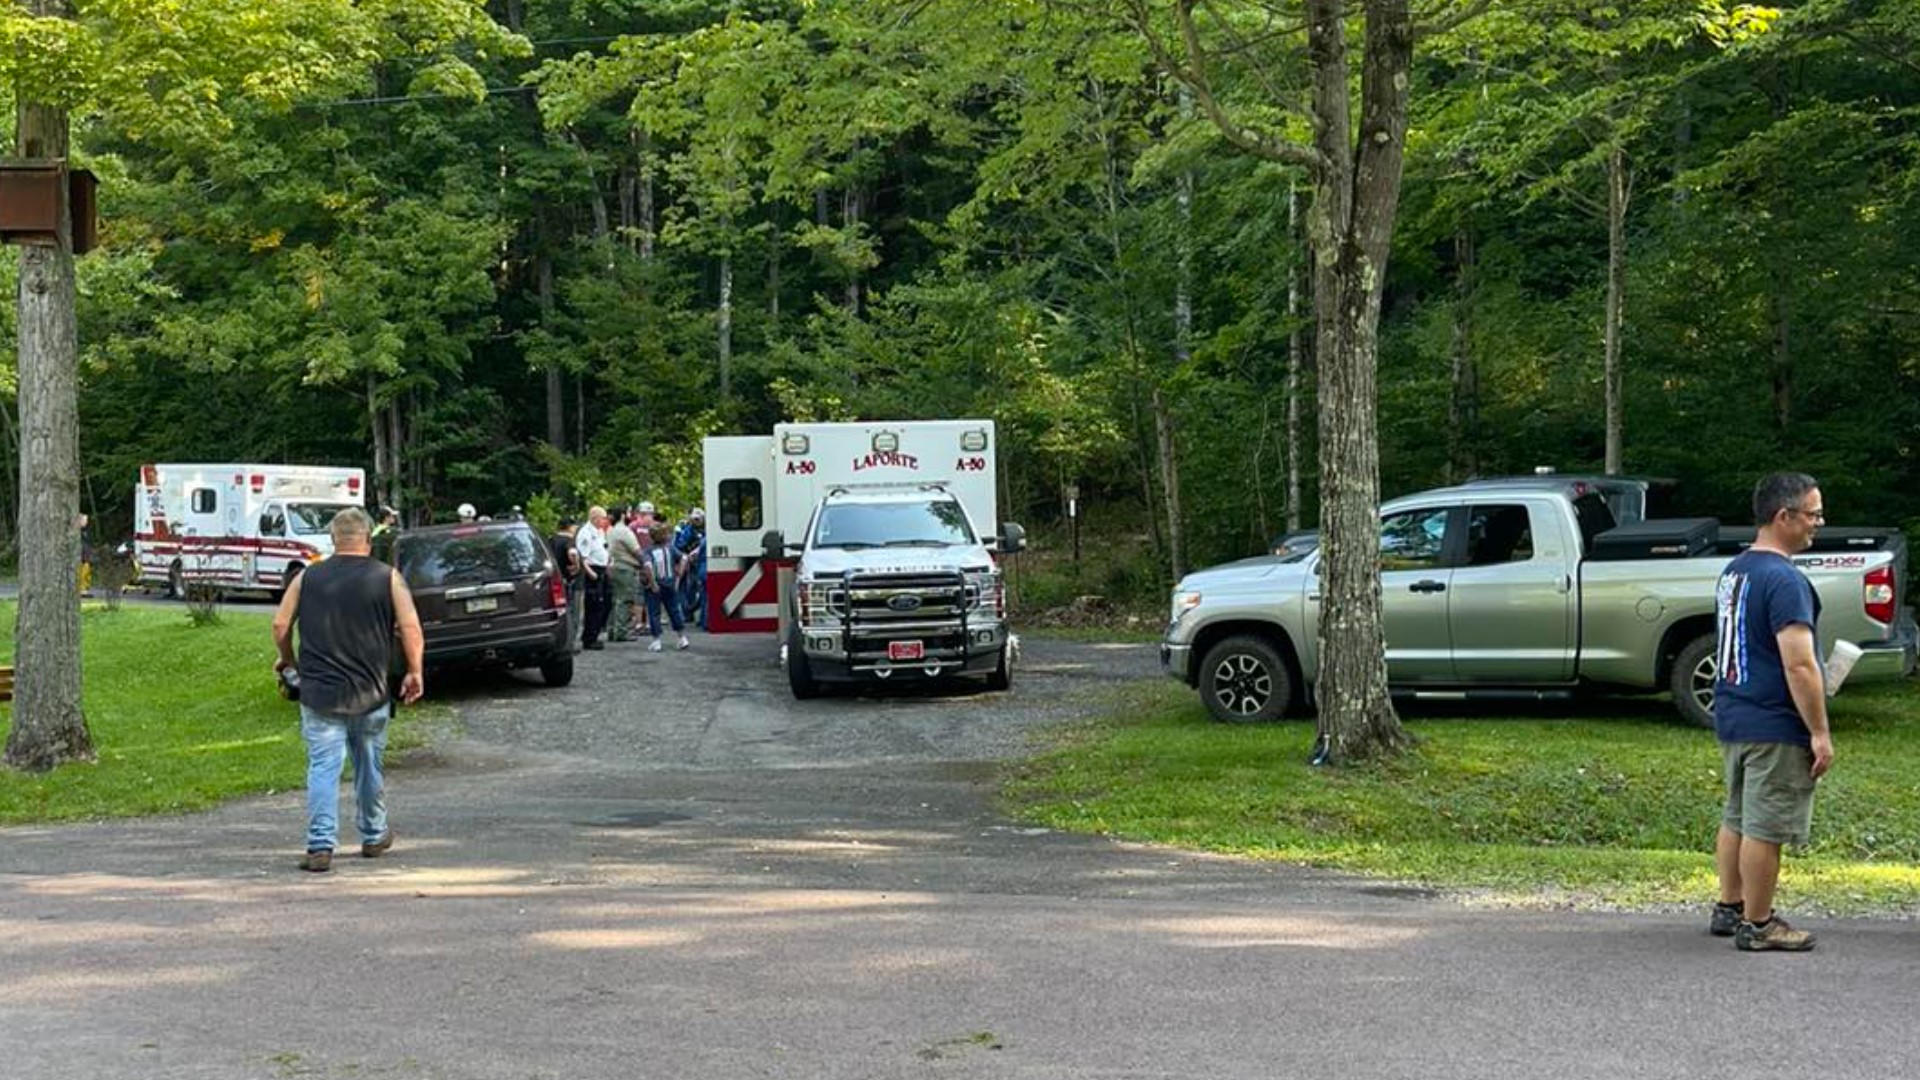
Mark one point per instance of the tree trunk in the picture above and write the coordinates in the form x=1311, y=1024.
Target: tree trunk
x=1356, y=195
x=1163, y=426
x=1463, y=401
x=644, y=152
x=773, y=281
x=1782, y=348
x=1619, y=192
x=396, y=443
x=556, y=387
x=580, y=411
x=851, y=209
x=1296, y=348
x=381, y=469
x=49, y=725
x=725, y=335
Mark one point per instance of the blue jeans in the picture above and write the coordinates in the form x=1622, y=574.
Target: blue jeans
x=330, y=741
x=668, y=597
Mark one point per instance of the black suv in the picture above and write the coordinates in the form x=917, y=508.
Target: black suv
x=488, y=595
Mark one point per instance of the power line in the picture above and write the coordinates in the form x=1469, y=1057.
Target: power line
x=409, y=97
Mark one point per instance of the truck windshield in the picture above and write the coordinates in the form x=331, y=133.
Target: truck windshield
x=865, y=525
x=312, y=519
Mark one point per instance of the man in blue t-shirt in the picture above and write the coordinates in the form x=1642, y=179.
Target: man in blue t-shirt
x=1769, y=711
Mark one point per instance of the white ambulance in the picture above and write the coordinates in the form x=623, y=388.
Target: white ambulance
x=237, y=526
x=757, y=484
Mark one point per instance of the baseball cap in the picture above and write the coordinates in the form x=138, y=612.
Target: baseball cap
x=467, y=512
x=646, y=508
x=697, y=514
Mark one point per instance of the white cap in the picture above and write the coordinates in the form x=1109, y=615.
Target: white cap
x=467, y=512
x=646, y=508
x=697, y=514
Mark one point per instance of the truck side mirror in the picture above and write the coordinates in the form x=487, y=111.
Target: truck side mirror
x=1013, y=538
x=773, y=544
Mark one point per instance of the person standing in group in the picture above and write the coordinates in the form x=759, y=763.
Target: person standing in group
x=1769, y=712
x=623, y=551
x=657, y=575
x=386, y=529
x=690, y=543
x=566, y=562
x=591, y=545
x=86, y=557
x=347, y=609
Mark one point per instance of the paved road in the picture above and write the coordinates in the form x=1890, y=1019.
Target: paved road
x=670, y=869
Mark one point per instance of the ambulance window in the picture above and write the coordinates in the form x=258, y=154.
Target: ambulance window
x=739, y=505
x=273, y=523
x=203, y=500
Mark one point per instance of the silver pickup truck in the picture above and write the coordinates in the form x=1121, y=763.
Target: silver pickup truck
x=1524, y=590
x=894, y=582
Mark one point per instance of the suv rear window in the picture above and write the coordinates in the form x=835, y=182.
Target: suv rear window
x=461, y=557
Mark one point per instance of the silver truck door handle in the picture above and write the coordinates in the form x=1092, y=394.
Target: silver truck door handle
x=1428, y=586
x=1566, y=583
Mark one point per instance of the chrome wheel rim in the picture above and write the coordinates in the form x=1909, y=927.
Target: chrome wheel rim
x=1242, y=684
x=1705, y=673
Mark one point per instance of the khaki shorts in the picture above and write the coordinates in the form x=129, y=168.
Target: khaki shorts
x=1769, y=791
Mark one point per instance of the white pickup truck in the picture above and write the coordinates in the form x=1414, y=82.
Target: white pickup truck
x=896, y=582
x=1524, y=589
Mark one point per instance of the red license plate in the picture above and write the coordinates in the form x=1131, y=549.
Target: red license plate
x=906, y=650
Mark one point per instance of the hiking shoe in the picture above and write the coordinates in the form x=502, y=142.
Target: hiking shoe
x=1726, y=919
x=1776, y=936
x=378, y=847
x=318, y=862
x=655, y=647
x=684, y=643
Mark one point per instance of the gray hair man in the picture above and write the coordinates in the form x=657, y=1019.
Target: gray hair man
x=348, y=610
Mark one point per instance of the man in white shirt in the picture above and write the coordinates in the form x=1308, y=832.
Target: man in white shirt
x=591, y=543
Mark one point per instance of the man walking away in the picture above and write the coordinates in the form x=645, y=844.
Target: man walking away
x=658, y=574
x=591, y=544
x=623, y=562
x=1769, y=711
x=566, y=562
x=348, y=609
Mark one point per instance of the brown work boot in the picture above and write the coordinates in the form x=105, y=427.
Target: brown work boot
x=1775, y=936
x=318, y=862
x=378, y=847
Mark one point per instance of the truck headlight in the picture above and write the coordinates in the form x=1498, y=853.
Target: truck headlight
x=821, y=600
x=1184, y=600
x=987, y=592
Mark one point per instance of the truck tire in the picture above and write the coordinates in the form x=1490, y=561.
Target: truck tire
x=1691, y=681
x=1245, y=680
x=1002, y=676
x=176, y=581
x=799, y=672
x=286, y=581
x=557, y=670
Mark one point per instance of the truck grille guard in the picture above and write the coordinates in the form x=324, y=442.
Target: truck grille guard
x=885, y=607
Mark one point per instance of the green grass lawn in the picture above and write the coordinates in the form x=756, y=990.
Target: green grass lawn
x=1584, y=804
x=181, y=717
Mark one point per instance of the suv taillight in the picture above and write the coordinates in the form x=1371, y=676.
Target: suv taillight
x=1878, y=594
x=556, y=592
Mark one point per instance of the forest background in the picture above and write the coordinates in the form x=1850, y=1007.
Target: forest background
x=659, y=220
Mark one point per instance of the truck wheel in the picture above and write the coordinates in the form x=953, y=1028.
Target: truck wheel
x=1691, y=681
x=1002, y=676
x=1245, y=680
x=176, y=582
x=799, y=672
x=557, y=670
x=286, y=581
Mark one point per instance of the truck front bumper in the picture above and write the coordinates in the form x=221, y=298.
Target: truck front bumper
x=830, y=660
x=1177, y=659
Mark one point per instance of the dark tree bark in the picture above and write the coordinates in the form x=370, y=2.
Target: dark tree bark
x=49, y=725
x=1350, y=223
x=1463, y=401
x=1296, y=360
x=556, y=387
x=1619, y=197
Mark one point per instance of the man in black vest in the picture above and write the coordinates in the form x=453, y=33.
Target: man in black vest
x=349, y=608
